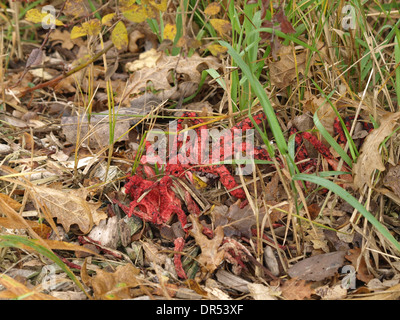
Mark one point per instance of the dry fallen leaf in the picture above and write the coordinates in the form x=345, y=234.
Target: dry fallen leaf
x=96, y=134
x=106, y=20
x=235, y=221
x=284, y=71
x=334, y=293
x=39, y=228
x=318, y=267
x=211, y=254
x=361, y=266
x=370, y=158
x=134, y=36
x=216, y=49
x=116, y=285
x=326, y=114
x=239, y=222
x=232, y=281
x=64, y=37
x=35, y=58
x=261, y=292
x=295, y=289
x=155, y=67
x=69, y=207
x=76, y=8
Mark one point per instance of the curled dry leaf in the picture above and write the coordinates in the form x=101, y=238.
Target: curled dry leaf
x=370, y=158
x=116, y=285
x=69, y=207
x=64, y=38
x=134, y=37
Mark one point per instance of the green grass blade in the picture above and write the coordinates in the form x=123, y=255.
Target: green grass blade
x=350, y=200
x=287, y=37
x=263, y=98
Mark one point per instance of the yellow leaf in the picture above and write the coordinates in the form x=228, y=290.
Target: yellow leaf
x=106, y=20
x=169, y=31
x=212, y=9
x=136, y=14
x=119, y=36
x=217, y=49
x=92, y=27
x=198, y=183
x=161, y=6
x=35, y=16
x=126, y=4
x=77, y=32
x=221, y=26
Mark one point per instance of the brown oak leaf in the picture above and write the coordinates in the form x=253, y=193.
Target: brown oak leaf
x=69, y=207
x=211, y=254
x=286, y=70
x=295, y=289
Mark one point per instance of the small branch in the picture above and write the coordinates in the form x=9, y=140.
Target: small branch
x=54, y=81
